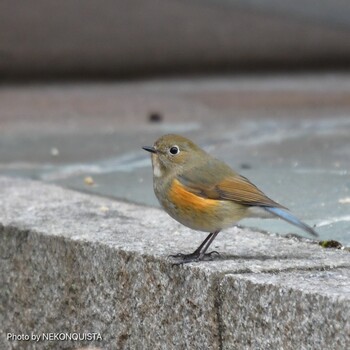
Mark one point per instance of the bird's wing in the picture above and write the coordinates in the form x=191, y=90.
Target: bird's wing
x=240, y=189
x=215, y=180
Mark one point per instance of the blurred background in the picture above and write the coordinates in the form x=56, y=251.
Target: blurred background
x=123, y=39
x=264, y=85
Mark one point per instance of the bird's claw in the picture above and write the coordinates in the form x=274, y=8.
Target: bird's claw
x=193, y=257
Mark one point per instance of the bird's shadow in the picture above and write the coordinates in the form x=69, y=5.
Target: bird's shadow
x=234, y=257
x=227, y=257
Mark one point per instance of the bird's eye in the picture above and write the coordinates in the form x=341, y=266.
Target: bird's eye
x=174, y=150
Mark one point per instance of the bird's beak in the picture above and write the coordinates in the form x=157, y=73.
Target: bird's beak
x=150, y=149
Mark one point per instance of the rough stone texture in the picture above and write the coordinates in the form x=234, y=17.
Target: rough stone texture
x=77, y=263
x=52, y=284
x=288, y=310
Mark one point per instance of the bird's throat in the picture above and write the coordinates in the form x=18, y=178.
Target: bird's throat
x=157, y=170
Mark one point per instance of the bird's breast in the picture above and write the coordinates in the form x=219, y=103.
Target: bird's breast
x=196, y=212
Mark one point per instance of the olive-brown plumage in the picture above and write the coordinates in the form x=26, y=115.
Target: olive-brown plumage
x=204, y=193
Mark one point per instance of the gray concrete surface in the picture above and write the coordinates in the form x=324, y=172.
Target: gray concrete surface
x=72, y=262
x=47, y=38
x=287, y=134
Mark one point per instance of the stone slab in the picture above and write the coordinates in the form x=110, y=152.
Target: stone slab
x=288, y=310
x=72, y=262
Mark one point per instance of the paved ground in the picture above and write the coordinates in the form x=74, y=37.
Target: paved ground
x=290, y=135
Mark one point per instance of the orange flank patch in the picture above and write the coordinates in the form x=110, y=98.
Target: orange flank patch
x=186, y=200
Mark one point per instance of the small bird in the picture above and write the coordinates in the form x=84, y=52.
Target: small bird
x=205, y=194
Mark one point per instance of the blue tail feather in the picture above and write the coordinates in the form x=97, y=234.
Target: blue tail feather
x=289, y=217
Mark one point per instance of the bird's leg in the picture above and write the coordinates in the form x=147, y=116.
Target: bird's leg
x=199, y=253
x=211, y=239
x=196, y=253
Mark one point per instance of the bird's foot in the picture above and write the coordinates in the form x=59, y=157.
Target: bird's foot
x=193, y=257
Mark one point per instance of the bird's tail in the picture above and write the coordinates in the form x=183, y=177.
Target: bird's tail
x=289, y=217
